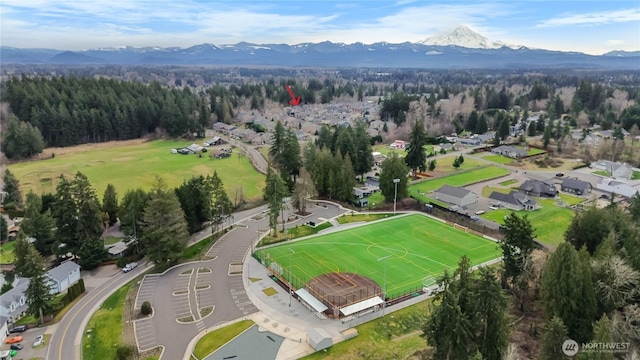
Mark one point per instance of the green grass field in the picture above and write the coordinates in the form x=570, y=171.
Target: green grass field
x=550, y=221
x=136, y=165
x=498, y=159
x=445, y=164
x=6, y=252
x=419, y=190
x=419, y=246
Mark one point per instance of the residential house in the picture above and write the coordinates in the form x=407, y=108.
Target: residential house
x=539, y=188
x=398, y=144
x=617, y=187
x=471, y=141
x=63, y=276
x=372, y=182
x=515, y=201
x=485, y=138
x=456, y=195
x=13, y=303
x=4, y=328
x=575, y=186
x=509, y=151
x=616, y=170
x=220, y=127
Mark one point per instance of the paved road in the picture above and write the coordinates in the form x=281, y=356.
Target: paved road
x=66, y=340
x=179, y=294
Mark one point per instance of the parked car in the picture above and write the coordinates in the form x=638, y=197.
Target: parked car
x=14, y=339
x=129, y=267
x=18, y=329
x=17, y=346
x=38, y=341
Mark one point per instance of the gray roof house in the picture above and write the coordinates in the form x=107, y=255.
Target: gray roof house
x=575, y=186
x=538, y=188
x=515, y=201
x=13, y=303
x=509, y=151
x=456, y=195
x=4, y=328
x=63, y=276
x=617, y=170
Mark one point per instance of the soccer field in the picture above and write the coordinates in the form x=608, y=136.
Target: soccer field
x=417, y=246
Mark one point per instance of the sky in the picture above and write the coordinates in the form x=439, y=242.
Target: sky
x=592, y=27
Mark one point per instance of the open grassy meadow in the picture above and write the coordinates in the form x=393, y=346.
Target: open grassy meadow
x=445, y=164
x=136, y=164
x=418, y=246
x=550, y=221
x=497, y=159
x=421, y=189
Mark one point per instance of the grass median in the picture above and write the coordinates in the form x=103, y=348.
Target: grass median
x=217, y=338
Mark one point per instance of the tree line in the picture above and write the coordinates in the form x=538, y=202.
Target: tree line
x=588, y=288
x=71, y=111
x=157, y=222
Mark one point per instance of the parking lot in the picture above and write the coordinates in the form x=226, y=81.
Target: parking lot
x=28, y=351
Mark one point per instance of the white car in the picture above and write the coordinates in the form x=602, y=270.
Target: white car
x=129, y=267
x=38, y=341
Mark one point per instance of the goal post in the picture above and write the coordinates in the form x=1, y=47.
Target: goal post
x=460, y=227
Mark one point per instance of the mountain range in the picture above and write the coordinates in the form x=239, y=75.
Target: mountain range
x=459, y=48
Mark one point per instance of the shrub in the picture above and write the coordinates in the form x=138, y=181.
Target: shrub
x=122, y=261
x=124, y=352
x=146, y=309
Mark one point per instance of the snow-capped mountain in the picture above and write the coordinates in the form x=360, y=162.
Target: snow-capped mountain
x=457, y=49
x=464, y=37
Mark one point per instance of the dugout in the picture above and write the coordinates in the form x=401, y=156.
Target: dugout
x=362, y=306
x=310, y=301
x=319, y=339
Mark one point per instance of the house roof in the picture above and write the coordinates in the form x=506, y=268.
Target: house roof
x=454, y=191
x=61, y=271
x=14, y=294
x=576, y=184
x=514, y=198
x=503, y=148
x=539, y=187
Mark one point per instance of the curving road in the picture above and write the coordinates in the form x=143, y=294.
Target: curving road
x=66, y=341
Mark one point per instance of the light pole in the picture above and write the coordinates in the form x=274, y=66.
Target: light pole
x=395, y=194
x=384, y=287
x=291, y=252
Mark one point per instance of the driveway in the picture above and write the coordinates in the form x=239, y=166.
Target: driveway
x=183, y=296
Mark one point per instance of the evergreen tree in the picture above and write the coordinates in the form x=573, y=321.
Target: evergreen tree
x=447, y=329
x=490, y=312
x=588, y=228
x=503, y=129
x=393, y=167
x=517, y=244
x=275, y=190
x=432, y=165
x=132, y=211
x=482, y=126
x=472, y=121
x=634, y=208
x=4, y=229
x=39, y=297
x=568, y=292
x=164, y=225
x=416, y=157
x=303, y=190
x=77, y=214
x=456, y=163
x=39, y=225
x=28, y=261
x=362, y=158
x=13, y=196
x=222, y=207
x=531, y=130
x=555, y=334
x=110, y=203
x=601, y=334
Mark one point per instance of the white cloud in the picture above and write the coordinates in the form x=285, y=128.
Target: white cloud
x=593, y=18
x=615, y=42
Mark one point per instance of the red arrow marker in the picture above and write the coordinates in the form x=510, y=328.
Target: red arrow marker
x=295, y=101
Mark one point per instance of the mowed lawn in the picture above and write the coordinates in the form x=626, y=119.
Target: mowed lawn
x=136, y=165
x=418, y=246
x=550, y=221
x=419, y=190
x=445, y=163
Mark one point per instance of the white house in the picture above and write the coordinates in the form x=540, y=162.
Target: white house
x=4, y=330
x=63, y=276
x=13, y=303
x=456, y=195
